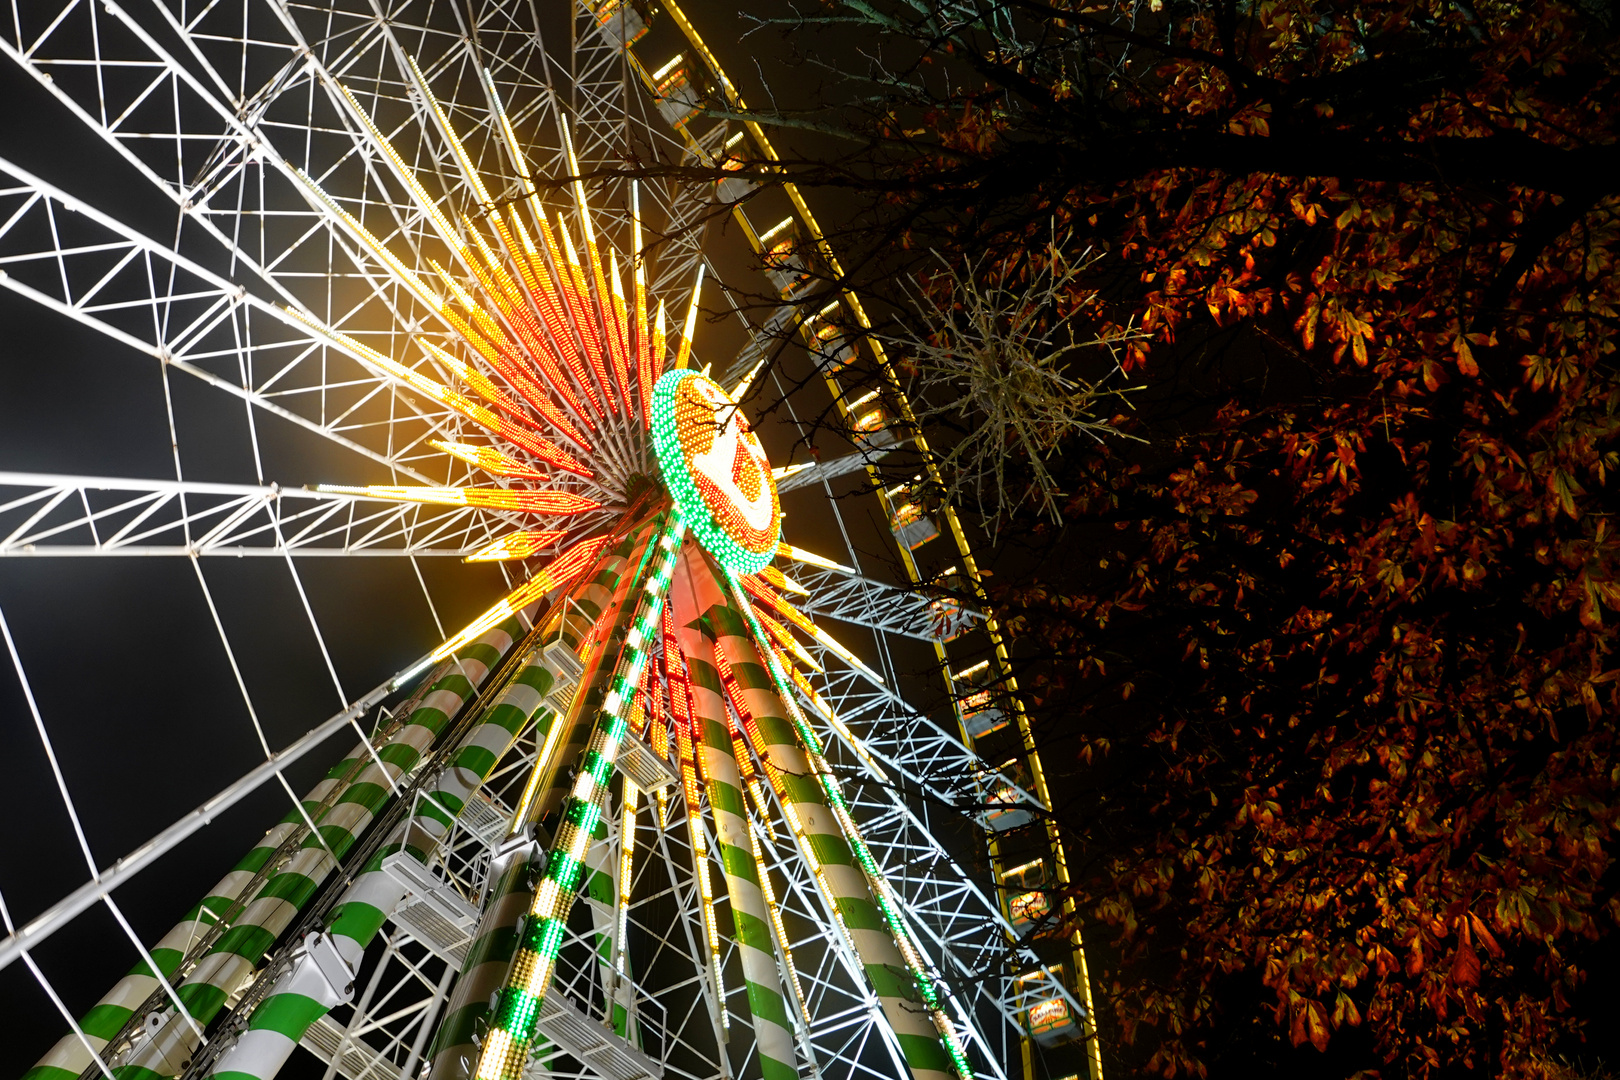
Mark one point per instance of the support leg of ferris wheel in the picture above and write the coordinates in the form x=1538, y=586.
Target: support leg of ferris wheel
x=126, y=1007
x=773, y=1031
x=455, y=1051
x=817, y=829
x=604, y=695
x=226, y=969
x=305, y=993
x=818, y=815
x=969, y=565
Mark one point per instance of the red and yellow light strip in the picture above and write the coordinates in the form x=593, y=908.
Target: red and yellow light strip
x=561, y=572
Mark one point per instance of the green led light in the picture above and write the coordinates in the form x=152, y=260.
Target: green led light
x=517, y=1010
x=550, y=939
x=534, y=932
x=565, y=870
x=583, y=815
x=598, y=766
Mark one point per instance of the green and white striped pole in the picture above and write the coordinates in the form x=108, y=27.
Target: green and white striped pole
x=773, y=1031
x=826, y=838
x=231, y=960
x=303, y=995
x=455, y=1053
x=69, y=1057
x=511, y=1033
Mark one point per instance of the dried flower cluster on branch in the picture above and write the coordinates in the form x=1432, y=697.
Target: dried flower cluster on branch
x=995, y=369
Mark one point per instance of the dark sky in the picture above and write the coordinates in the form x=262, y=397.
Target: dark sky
x=129, y=676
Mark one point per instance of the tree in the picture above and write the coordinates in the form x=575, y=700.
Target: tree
x=1333, y=647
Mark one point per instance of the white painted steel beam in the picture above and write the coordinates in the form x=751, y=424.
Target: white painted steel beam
x=55, y=516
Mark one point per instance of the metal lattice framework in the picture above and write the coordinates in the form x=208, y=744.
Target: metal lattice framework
x=270, y=131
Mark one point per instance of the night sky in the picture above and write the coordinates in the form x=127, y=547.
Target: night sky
x=129, y=675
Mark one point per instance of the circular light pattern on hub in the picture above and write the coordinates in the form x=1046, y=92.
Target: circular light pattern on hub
x=716, y=470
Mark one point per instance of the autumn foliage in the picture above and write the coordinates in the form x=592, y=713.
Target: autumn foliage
x=1331, y=655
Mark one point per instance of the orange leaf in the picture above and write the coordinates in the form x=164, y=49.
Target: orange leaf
x=1310, y=1024
x=1486, y=938
x=1465, y=358
x=1345, y=1011
x=1465, y=966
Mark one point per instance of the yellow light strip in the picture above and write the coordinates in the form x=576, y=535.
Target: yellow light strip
x=778, y=930
x=658, y=344
x=682, y=711
x=969, y=672
x=474, y=181
x=747, y=380
x=627, y=863
x=522, y=500
x=700, y=863
x=667, y=68
x=494, y=279
x=739, y=750
x=535, y=274
x=520, y=816
x=593, y=253
x=788, y=642
x=487, y=458
x=810, y=558
x=806, y=849
x=561, y=571
x=799, y=619
x=775, y=577
x=564, y=298
x=405, y=275
x=647, y=371
x=784, y=471
x=620, y=338
x=590, y=329
x=766, y=236
x=403, y=171
x=522, y=436
x=683, y=353
x=516, y=545
x=476, y=379
x=487, y=326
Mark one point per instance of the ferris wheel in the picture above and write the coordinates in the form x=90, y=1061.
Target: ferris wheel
x=664, y=805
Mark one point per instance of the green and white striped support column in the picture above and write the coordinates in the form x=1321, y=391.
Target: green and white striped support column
x=511, y=1033
x=454, y=1054
x=231, y=961
x=781, y=739
x=601, y=897
x=773, y=1031
x=69, y=1058
x=302, y=995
